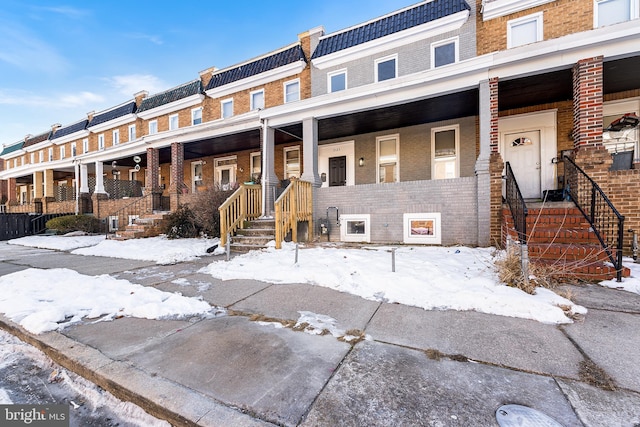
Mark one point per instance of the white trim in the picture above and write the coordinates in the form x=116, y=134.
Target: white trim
x=193, y=111
x=387, y=58
x=251, y=103
x=71, y=137
x=327, y=151
x=392, y=41
x=177, y=119
x=538, y=18
x=155, y=123
x=123, y=120
x=129, y=129
x=222, y=103
x=284, y=153
x=257, y=80
x=456, y=47
x=395, y=136
x=353, y=237
x=337, y=73
x=634, y=7
x=252, y=156
x=434, y=160
x=85, y=145
x=284, y=90
x=180, y=104
x=195, y=183
x=413, y=238
x=101, y=144
x=497, y=8
x=115, y=137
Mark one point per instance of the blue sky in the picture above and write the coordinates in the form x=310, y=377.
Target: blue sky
x=59, y=61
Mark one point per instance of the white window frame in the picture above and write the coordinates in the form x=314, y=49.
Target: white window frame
x=434, y=160
x=252, y=101
x=252, y=164
x=50, y=157
x=153, y=127
x=194, y=111
x=634, y=6
x=62, y=152
x=538, y=18
x=32, y=158
x=333, y=74
x=174, y=122
x=378, y=61
x=434, y=45
x=85, y=145
x=132, y=133
x=345, y=236
x=101, y=142
x=115, y=137
x=395, y=136
x=286, y=150
x=41, y=156
x=228, y=101
x=113, y=223
x=74, y=150
x=285, y=85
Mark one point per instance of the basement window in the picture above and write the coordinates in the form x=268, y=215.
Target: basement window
x=355, y=228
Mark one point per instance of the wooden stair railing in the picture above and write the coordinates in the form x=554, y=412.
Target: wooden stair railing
x=295, y=204
x=243, y=205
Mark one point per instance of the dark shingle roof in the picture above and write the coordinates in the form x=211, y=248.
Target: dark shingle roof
x=11, y=148
x=68, y=130
x=403, y=20
x=279, y=59
x=175, y=94
x=123, y=110
x=36, y=139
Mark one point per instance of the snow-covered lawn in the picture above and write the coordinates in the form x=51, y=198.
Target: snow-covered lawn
x=434, y=278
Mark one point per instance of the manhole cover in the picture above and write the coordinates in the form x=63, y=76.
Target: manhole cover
x=523, y=416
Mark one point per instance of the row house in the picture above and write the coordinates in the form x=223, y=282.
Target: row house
x=400, y=127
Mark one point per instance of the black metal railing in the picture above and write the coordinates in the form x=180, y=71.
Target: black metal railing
x=516, y=204
x=119, y=219
x=117, y=188
x=605, y=220
x=39, y=223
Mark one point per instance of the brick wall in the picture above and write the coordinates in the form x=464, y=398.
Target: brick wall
x=587, y=102
x=455, y=199
x=560, y=18
x=496, y=165
x=623, y=190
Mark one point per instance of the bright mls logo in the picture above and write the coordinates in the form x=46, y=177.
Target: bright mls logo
x=34, y=415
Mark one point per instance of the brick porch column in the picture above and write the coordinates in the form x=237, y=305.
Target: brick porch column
x=589, y=152
x=12, y=191
x=49, y=185
x=496, y=164
x=152, y=181
x=38, y=185
x=177, y=174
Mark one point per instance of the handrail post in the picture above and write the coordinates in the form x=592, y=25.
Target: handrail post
x=593, y=203
x=293, y=215
x=619, y=254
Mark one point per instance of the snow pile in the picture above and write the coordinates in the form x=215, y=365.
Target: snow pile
x=58, y=243
x=46, y=300
x=629, y=284
x=440, y=278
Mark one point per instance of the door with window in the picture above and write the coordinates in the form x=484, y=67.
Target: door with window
x=337, y=171
x=196, y=176
x=522, y=151
x=225, y=171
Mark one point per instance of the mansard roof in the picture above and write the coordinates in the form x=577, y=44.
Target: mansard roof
x=11, y=148
x=36, y=139
x=261, y=65
x=389, y=24
x=120, y=111
x=68, y=130
x=171, y=95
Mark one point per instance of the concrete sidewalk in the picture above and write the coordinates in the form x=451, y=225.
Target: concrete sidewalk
x=417, y=367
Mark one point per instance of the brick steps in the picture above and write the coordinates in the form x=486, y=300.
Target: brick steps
x=149, y=225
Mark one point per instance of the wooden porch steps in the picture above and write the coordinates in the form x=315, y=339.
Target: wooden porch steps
x=560, y=239
x=255, y=235
x=149, y=225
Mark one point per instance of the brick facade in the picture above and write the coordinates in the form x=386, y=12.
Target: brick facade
x=587, y=102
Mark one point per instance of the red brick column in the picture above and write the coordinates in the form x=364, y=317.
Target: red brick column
x=496, y=165
x=587, y=103
x=177, y=174
x=153, y=163
x=12, y=191
x=493, y=108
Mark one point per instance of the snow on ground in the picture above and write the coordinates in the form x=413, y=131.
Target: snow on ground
x=59, y=243
x=629, y=284
x=45, y=300
x=440, y=278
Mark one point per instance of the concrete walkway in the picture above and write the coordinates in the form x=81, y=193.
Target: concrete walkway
x=417, y=367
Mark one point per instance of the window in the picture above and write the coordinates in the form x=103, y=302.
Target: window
x=62, y=152
x=226, y=107
x=386, y=68
x=73, y=150
x=116, y=137
x=132, y=133
x=256, y=166
x=444, y=52
x=355, y=228
x=101, y=142
x=291, y=162
x=85, y=145
x=444, y=148
x=173, y=122
x=257, y=100
x=196, y=116
x=51, y=154
x=387, y=154
x=525, y=30
x=153, y=127
x=113, y=222
x=337, y=81
x=292, y=91
x=41, y=156
x=608, y=12
x=621, y=139
x=33, y=158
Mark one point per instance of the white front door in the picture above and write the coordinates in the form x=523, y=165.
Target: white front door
x=522, y=151
x=196, y=176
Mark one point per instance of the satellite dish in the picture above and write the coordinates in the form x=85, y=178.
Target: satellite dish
x=137, y=168
x=137, y=159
